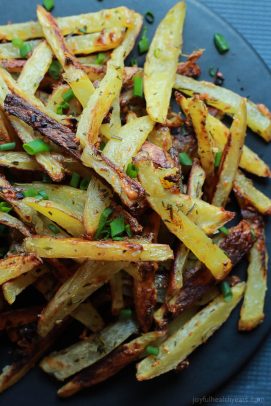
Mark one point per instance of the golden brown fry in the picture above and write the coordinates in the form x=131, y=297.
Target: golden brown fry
x=16, y=265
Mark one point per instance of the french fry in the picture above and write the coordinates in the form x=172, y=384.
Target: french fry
x=196, y=331
x=58, y=213
x=198, y=112
x=19, y=160
x=161, y=137
x=89, y=317
x=161, y=63
x=35, y=68
x=61, y=364
x=181, y=225
x=128, y=250
x=109, y=366
x=13, y=222
x=244, y=188
x=116, y=286
x=114, y=125
x=16, y=265
x=252, y=310
x=227, y=101
x=90, y=22
x=13, y=288
x=74, y=73
x=128, y=141
x=195, y=181
x=231, y=157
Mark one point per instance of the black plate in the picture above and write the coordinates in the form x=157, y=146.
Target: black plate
x=213, y=363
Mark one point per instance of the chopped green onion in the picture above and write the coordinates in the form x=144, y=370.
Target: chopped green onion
x=218, y=157
x=224, y=230
x=75, y=180
x=221, y=43
x=118, y=238
x=132, y=170
x=226, y=291
x=126, y=313
x=143, y=45
x=5, y=207
x=30, y=192
x=133, y=62
x=100, y=58
x=157, y=52
x=36, y=147
x=84, y=29
x=68, y=95
x=185, y=159
x=55, y=70
x=102, y=145
x=151, y=350
x=49, y=4
x=25, y=49
x=8, y=146
x=102, y=222
x=84, y=184
x=138, y=86
x=149, y=17
x=128, y=230
x=212, y=72
x=17, y=42
x=54, y=228
x=63, y=106
x=117, y=226
x=43, y=194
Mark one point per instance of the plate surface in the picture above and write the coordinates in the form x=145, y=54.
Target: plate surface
x=215, y=362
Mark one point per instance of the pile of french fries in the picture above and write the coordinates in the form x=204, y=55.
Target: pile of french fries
x=119, y=224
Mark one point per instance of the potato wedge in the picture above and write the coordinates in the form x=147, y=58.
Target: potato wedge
x=252, y=310
x=244, y=188
x=113, y=127
x=227, y=101
x=198, y=113
x=109, y=366
x=98, y=106
x=195, y=181
x=128, y=141
x=90, y=22
x=161, y=63
x=61, y=364
x=231, y=157
x=16, y=265
x=74, y=73
x=89, y=277
x=182, y=226
x=97, y=250
x=13, y=288
x=13, y=222
x=19, y=160
x=196, y=331
x=89, y=317
x=35, y=68
x=59, y=214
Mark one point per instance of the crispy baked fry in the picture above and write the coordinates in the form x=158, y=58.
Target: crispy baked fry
x=16, y=265
x=13, y=222
x=89, y=316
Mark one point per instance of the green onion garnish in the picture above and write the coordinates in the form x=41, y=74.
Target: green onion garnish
x=226, y=291
x=30, y=192
x=218, y=157
x=126, y=313
x=49, y=4
x=143, y=45
x=221, y=43
x=100, y=58
x=149, y=17
x=138, y=86
x=8, y=146
x=17, y=42
x=68, y=95
x=224, y=230
x=43, y=194
x=54, y=228
x=157, y=52
x=117, y=226
x=36, y=147
x=133, y=62
x=185, y=159
x=55, y=70
x=151, y=350
x=128, y=230
x=102, y=145
x=132, y=170
x=5, y=207
x=63, y=106
x=25, y=49
x=84, y=184
x=212, y=72
x=75, y=180
x=102, y=222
